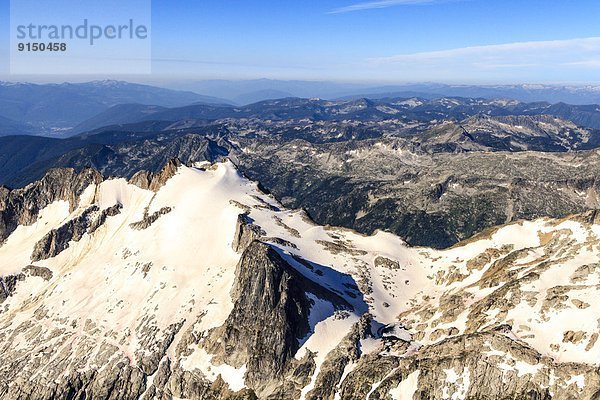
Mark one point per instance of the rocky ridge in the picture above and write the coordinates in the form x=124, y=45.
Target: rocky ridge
x=229, y=295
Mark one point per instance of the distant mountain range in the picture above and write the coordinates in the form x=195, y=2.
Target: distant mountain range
x=249, y=91
x=53, y=108
x=144, y=117
x=64, y=109
x=578, y=95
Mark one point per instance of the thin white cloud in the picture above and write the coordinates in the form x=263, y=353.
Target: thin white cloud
x=369, y=5
x=591, y=63
x=529, y=60
x=518, y=53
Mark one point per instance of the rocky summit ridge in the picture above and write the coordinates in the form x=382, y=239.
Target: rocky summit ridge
x=191, y=283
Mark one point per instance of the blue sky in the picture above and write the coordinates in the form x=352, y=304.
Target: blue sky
x=466, y=41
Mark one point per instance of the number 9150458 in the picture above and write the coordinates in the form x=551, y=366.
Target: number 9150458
x=42, y=47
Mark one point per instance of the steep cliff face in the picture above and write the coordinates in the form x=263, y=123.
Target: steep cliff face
x=22, y=206
x=203, y=287
x=270, y=317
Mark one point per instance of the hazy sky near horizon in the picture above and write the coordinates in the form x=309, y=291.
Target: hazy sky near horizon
x=466, y=41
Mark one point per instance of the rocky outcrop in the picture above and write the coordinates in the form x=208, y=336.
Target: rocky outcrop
x=8, y=284
x=118, y=382
x=104, y=214
x=172, y=381
x=154, y=181
x=58, y=239
x=267, y=338
x=41, y=272
x=487, y=366
x=346, y=353
x=55, y=241
x=245, y=233
x=22, y=206
x=148, y=220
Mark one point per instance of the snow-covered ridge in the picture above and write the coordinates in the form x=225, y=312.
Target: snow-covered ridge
x=128, y=294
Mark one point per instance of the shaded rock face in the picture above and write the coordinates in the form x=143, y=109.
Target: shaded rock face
x=8, y=284
x=58, y=239
x=267, y=345
x=346, y=353
x=55, y=241
x=104, y=214
x=154, y=181
x=269, y=317
x=245, y=233
x=22, y=206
